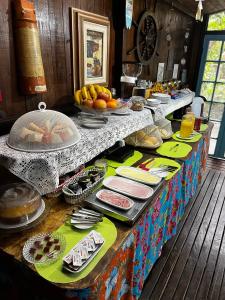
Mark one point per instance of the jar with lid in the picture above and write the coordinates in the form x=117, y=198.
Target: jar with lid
x=131, y=71
x=140, y=89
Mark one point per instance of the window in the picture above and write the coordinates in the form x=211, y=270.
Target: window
x=216, y=21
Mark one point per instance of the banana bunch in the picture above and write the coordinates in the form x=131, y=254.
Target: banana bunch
x=91, y=92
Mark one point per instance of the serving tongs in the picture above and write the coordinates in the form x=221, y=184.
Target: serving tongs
x=82, y=216
x=78, y=216
x=82, y=210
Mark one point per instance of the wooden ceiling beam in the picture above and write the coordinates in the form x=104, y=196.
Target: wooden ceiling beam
x=181, y=7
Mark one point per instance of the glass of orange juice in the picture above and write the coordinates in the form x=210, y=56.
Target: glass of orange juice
x=186, y=127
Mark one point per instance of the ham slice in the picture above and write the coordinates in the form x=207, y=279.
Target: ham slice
x=115, y=199
x=128, y=187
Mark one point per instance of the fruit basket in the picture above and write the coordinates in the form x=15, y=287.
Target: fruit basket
x=97, y=99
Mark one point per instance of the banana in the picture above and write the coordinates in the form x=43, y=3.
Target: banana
x=93, y=92
x=78, y=97
x=84, y=92
x=98, y=88
x=89, y=95
x=108, y=92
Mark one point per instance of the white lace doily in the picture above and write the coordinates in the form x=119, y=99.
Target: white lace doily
x=42, y=170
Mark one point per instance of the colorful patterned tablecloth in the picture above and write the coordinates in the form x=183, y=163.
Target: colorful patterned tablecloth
x=124, y=276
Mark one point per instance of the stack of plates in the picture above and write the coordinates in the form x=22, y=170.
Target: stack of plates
x=153, y=102
x=164, y=98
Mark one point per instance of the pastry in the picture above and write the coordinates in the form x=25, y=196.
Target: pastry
x=50, y=133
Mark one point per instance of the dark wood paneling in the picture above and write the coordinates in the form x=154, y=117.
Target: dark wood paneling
x=168, y=20
x=55, y=37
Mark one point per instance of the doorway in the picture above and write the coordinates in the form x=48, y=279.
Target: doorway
x=211, y=85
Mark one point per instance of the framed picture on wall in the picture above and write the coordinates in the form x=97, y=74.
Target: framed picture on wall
x=91, y=36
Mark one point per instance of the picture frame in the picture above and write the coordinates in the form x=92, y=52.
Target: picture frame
x=90, y=43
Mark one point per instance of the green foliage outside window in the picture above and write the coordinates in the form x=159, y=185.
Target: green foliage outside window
x=217, y=21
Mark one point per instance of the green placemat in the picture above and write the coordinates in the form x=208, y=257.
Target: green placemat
x=164, y=161
x=195, y=138
x=54, y=271
x=129, y=162
x=169, y=149
x=203, y=127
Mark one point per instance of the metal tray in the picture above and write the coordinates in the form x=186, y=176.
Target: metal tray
x=128, y=217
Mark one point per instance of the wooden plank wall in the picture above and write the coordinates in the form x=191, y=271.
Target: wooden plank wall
x=168, y=20
x=54, y=26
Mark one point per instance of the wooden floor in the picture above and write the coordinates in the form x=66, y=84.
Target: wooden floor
x=192, y=264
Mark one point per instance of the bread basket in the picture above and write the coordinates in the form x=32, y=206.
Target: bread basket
x=165, y=128
x=149, y=137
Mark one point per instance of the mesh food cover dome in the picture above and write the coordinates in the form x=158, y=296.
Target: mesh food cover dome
x=43, y=130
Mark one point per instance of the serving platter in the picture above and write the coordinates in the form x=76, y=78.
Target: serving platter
x=138, y=175
x=128, y=187
x=130, y=216
x=114, y=199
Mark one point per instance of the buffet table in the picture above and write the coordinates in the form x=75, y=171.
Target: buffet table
x=121, y=273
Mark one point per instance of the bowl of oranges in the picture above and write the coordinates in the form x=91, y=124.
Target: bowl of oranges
x=98, y=99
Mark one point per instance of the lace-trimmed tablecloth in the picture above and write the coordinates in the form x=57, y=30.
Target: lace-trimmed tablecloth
x=42, y=170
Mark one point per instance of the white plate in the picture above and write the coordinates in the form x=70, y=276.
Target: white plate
x=120, y=171
x=153, y=102
x=82, y=226
x=182, y=138
x=131, y=202
x=92, y=125
x=161, y=96
x=133, y=184
x=32, y=219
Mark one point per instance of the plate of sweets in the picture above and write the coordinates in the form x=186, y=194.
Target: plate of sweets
x=96, y=99
x=44, y=248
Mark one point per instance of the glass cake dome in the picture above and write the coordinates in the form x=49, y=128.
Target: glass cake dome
x=43, y=130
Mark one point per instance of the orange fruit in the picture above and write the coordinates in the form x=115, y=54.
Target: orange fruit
x=99, y=104
x=112, y=103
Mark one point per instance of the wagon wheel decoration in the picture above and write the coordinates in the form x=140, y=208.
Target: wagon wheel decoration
x=146, y=38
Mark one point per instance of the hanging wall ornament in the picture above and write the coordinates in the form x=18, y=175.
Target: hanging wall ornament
x=199, y=16
x=28, y=49
x=129, y=13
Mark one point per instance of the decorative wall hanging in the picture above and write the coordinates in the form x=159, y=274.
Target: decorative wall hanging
x=28, y=49
x=160, y=73
x=129, y=13
x=175, y=71
x=90, y=36
x=199, y=16
x=146, y=40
